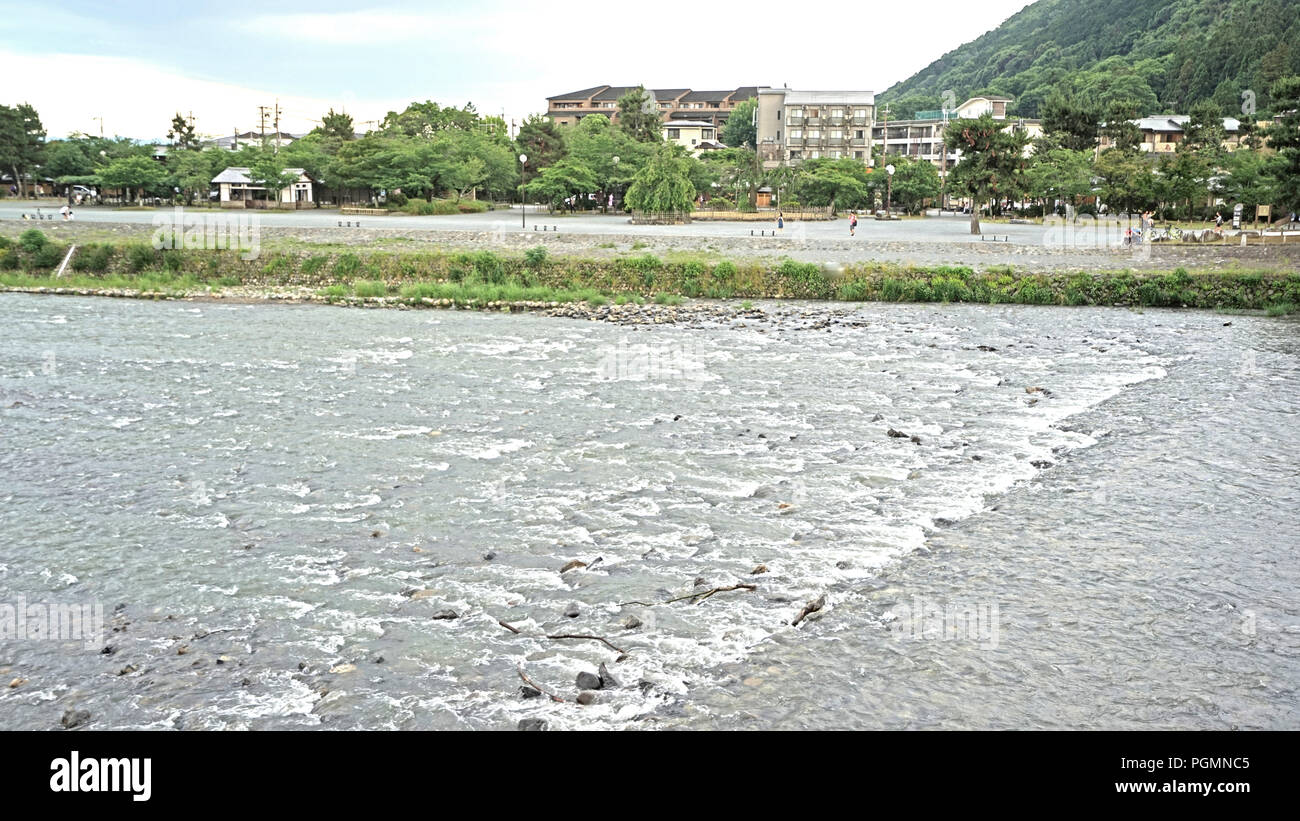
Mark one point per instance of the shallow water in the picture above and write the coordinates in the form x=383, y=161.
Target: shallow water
x=297, y=490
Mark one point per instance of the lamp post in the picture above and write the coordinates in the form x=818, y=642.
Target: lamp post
x=523, y=190
x=615, y=180
x=889, y=188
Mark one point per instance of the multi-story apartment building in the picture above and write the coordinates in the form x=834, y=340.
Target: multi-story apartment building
x=672, y=103
x=921, y=136
x=794, y=126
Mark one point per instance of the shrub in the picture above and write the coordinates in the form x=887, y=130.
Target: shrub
x=32, y=240
x=489, y=267
x=173, y=261
x=347, y=265
x=535, y=257
x=9, y=260
x=724, y=271
x=140, y=257
x=314, y=263
x=369, y=288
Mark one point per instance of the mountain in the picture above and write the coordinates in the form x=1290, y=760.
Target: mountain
x=1165, y=55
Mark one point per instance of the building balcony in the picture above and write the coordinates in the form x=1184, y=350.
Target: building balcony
x=813, y=120
x=794, y=121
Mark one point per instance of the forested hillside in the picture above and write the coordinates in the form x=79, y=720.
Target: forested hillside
x=1163, y=55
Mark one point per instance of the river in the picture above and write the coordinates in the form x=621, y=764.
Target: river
x=1086, y=517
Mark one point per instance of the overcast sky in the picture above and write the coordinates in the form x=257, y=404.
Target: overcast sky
x=136, y=64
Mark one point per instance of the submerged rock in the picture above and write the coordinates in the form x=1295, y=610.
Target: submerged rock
x=588, y=681
x=74, y=718
x=534, y=725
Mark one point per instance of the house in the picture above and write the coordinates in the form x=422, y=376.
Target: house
x=695, y=136
x=1162, y=134
x=237, y=190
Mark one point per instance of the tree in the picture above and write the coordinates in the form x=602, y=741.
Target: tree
x=565, y=178
x=1059, y=174
x=664, y=185
x=915, y=181
x=337, y=125
x=740, y=129
x=1284, y=138
x=192, y=172
x=428, y=118
x=834, y=183
x=22, y=142
x=136, y=174
x=1118, y=128
x=182, y=134
x=1249, y=180
x=540, y=141
x=992, y=162
x=1126, y=179
x=269, y=172
x=638, y=117
x=1073, y=124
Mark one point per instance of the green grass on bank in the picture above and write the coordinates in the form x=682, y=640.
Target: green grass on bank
x=479, y=277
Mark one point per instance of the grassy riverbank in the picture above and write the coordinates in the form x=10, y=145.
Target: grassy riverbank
x=479, y=278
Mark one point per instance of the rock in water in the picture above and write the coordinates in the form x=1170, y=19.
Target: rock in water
x=588, y=681
x=534, y=725
x=74, y=718
x=631, y=623
x=572, y=612
x=586, y=697
x=446, y=615
x=607, y=679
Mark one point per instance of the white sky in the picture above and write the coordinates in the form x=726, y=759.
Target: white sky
x=136, y=64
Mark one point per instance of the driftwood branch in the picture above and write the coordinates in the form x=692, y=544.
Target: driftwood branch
x=509, y=627
x=809, y=608
x=701, y=595
x=539, y=688
x=593, y=638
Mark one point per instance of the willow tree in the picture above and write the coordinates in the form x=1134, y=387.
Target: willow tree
x=992, y=164
x=664, y=184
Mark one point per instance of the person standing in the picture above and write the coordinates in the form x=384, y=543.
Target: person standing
x=780, y=220
x=66, y=212
x=853, y=223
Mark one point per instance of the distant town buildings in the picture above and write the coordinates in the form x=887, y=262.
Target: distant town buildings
x=238, y=190
x=1162, y=134
x=921, y=136
x=234, y=142
x=794, y=126
x=712, y=107
x=693, y=135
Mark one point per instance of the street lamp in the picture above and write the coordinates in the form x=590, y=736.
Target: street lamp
x=523, y=190
x=889, y=189
x=615, y=176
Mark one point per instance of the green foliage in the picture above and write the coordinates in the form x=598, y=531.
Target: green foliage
x=32, y=240
x=1162, y=55
x=347, y=265
x=664, y=185
x=638, y=116
x=740, y=130
x=140, y=257
x=314, y=263
x=366, y=288
x=535, y=257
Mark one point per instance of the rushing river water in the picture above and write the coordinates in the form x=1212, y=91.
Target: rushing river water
x=273, y=503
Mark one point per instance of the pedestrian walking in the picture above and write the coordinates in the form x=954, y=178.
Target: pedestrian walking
x=66, y=212
x=780, y=220
x=853, y=223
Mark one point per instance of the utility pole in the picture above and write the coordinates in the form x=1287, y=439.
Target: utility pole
x=261, y=118
x=277, y=126
x=101, y=126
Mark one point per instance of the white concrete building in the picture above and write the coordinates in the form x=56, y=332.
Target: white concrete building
x=239, y=191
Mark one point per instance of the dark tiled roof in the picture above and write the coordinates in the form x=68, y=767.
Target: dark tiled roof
x=669, y=94
x=613, y=92
x=706, y=96
x=579, y=95
x=743, y=93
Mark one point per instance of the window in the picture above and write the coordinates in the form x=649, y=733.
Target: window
x=837, y=134
x=857, y=155
x=778, y=114
x=858, y=134
x=796, y=112
x=674, y=133
x=814, y=154
x=815, y=134
x=860, y=112
x=796, y=133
